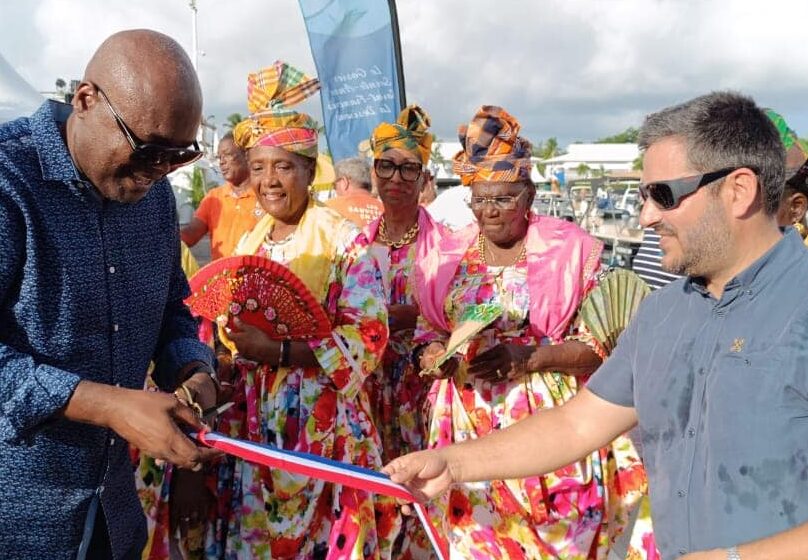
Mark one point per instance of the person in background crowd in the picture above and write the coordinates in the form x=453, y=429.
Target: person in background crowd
x=794, y=201
x=535, y=356
x=404, y=242
x=91, y=291
x=352, y=186
x=302, y=395
x=451, y=208
x=429, y=192
x=712, y=368
x=228, y=211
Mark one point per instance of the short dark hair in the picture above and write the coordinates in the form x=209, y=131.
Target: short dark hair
x=724, y=129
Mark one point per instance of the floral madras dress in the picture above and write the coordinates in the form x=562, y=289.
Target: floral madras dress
x=564, y=514
x=323, y=410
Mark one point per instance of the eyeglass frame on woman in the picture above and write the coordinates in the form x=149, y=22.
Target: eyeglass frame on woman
x=798, y=178
x=678, y=189
x=397, y=167
x=149, y=152
x=501, y=202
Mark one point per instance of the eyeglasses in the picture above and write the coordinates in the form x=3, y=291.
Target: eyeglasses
x=408, y=171
x=149, y=154
x=504, y=202
x=668, y=194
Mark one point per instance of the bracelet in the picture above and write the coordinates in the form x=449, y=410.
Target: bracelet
x=204, y=368
x=283, y=354
x=733, y=554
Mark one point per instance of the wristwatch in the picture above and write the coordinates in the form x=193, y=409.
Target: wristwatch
x=732, y=553
x=204, y=368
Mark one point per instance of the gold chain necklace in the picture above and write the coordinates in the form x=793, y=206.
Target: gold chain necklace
x=408, y=237
x=481, y=248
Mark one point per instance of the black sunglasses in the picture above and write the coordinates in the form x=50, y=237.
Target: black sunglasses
x=149, y=154
x=668, y=194
x=409, y=170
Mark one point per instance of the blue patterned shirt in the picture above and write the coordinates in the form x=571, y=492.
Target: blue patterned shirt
x=721, y=391
x=90, y=289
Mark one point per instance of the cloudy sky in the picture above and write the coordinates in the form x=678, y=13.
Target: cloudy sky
x=573, y=69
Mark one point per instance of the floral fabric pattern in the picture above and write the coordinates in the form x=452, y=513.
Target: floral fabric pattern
x=324, y=410
x=576, y=512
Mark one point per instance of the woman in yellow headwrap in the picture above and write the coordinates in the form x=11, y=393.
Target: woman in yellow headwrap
x=403, y=240
x=305, y=396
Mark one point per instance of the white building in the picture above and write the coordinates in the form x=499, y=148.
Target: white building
x=608, y=157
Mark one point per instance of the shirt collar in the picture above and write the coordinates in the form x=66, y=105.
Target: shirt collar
x=54, y=157
x=767, y=268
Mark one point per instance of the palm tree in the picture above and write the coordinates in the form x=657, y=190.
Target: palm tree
x=545, y=149
x=583, y=170
x=232, y=120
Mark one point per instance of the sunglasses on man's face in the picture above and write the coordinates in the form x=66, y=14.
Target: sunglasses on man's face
x=150, y=154
x=669, y=194
x=408, y=171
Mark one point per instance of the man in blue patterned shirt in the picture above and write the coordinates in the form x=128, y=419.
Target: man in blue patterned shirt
x=91, y=292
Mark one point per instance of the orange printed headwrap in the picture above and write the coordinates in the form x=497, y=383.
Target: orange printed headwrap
x=270, y=93
x=408, y=133
x=492, y=151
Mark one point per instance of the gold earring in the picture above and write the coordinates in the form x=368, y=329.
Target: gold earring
x=800, y=227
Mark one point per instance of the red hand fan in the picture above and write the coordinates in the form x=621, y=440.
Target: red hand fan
x=260, y=292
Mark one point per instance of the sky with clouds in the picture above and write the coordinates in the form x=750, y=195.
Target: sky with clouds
x=574, y=69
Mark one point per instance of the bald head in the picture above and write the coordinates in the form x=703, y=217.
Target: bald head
x=148, y=80
x=149, y=73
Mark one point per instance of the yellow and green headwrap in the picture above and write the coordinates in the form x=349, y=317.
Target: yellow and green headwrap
x=270, y=93
x=492, y=151
x=787, y=136
x=408, y=133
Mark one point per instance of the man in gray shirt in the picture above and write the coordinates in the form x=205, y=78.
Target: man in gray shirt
x=712, y=369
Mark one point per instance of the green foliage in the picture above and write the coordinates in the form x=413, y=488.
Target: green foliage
x=232, y=120
x=583, y=170
x=637, y=163
x=546, y=149
x=197, y=186
x=628, y=136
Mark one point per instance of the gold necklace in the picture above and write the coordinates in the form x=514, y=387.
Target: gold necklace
x=481, y=248
x=408, y=237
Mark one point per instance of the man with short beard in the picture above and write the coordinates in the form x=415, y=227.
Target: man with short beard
x=91, y=292
x=712, y=369
x=228, y=211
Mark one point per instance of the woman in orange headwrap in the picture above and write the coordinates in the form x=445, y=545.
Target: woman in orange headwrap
x=404, y=241
x=538, y=270
x=306, y=396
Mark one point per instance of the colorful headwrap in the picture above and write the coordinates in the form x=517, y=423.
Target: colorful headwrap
x=787, y=136
x=492, y=151
x=270, y=93
x=408, y=133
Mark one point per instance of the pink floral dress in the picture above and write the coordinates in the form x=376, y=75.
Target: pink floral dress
x=575, y=512
x=398, y=393
x=323, y=410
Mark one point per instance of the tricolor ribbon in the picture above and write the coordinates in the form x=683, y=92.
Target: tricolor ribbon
x=329, y=470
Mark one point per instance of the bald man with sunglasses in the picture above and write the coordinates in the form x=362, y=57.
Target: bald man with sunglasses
x=91, y=292
x=712, y=369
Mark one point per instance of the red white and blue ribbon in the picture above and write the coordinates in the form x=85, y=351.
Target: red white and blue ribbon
x=329, y=470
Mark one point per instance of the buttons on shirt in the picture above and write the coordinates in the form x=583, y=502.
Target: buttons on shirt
x=112, y=270
x=681, y=493
x=691, y=432
x=111, y=441
x=701, y=371
x=115, y=327
x=100, y=489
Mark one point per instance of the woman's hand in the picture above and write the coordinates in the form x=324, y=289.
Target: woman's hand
x=253, y=344
x=190, y=500
x=502, y=362
x=430, y=355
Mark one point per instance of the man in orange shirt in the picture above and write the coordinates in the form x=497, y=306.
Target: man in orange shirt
x=228, y=211
x=354, y=201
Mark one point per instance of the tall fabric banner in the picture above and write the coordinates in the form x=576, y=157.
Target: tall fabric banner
x=357, y=53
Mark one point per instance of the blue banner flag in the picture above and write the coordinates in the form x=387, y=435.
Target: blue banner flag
x=356, y=50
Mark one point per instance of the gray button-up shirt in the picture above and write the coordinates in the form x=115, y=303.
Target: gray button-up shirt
x=721, y=392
